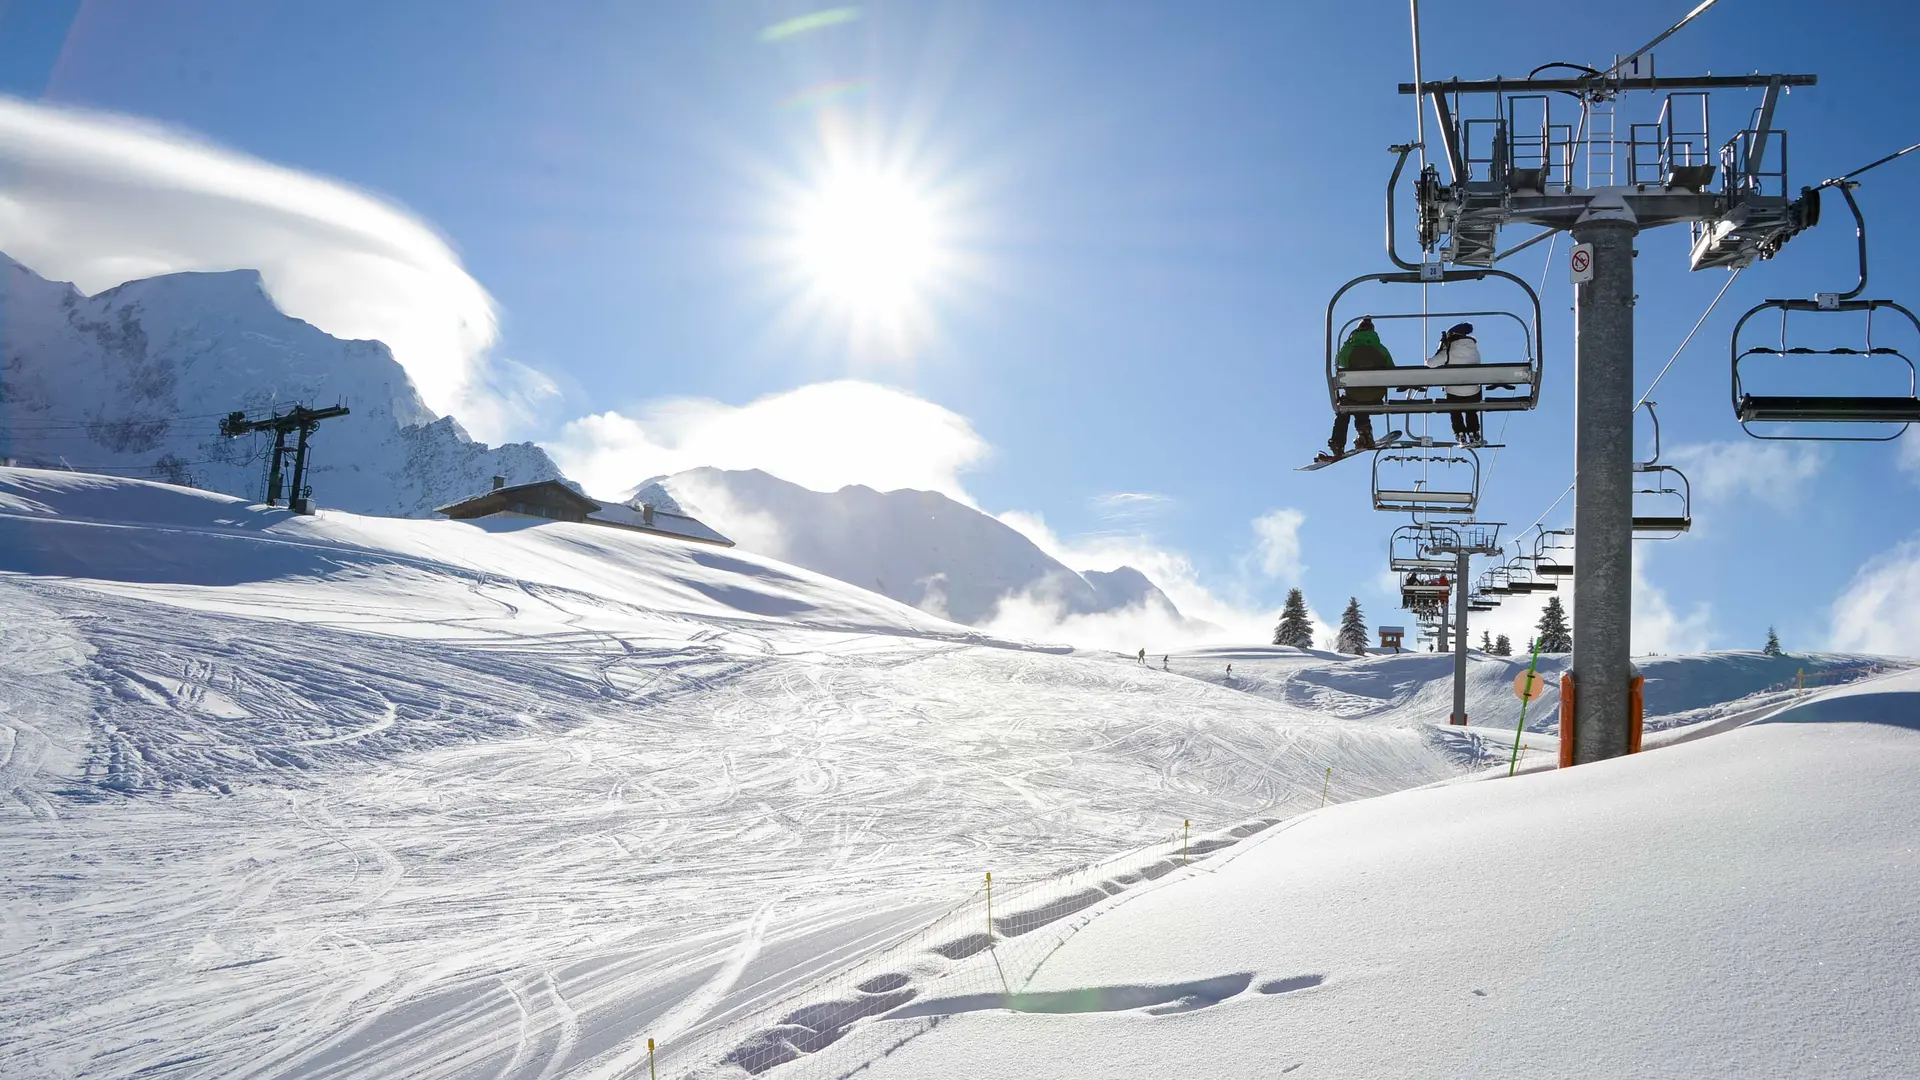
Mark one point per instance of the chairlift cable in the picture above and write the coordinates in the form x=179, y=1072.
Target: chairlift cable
x=1731, y=278
x=1537, y=522
x=1670, y=31
x=1846, y=176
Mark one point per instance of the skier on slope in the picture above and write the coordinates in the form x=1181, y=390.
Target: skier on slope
x=1459, y=349
x=1362, y=351
x=1143, y=656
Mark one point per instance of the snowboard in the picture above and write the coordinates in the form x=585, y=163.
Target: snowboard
x=1387, y=442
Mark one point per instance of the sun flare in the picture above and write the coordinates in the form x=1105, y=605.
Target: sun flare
x=869, y=243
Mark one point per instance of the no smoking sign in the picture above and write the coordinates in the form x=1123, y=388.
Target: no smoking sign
x=1582, y=263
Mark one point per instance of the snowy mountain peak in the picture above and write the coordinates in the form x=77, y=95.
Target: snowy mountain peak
x=132, y=382
x=919, y=547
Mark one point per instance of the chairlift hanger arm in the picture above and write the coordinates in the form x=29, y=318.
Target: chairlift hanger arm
x=1393, y=183
x=1695, y=82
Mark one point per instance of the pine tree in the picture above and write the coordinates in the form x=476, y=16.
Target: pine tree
x=1773, y=644
x=1353, y=629
x=1294, y=628
x=1486, y=643
x=1502, y=646
x=1555, y=635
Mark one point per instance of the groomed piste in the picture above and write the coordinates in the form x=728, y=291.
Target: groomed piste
x=360, y=797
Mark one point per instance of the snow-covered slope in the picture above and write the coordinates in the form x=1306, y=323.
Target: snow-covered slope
x=1741, y=906
x=133, y=381
x=367, y=797
x=919, y=547
x=363, y=797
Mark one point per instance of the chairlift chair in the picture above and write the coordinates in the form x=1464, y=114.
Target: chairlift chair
x=1454, y=492
x=1520, y=578
x=1519, y=379
x=1408, y=548
x=1882, y=410
x=1658, y=481
x=1548, y=547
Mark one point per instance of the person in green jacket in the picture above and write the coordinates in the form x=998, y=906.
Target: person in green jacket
x=1362, y=351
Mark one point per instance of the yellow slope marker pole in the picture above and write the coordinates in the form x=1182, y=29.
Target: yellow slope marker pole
x=989, y=907
x=650, y=1073
x=1185, y=826
x=1325, y=784
x=1526, y=691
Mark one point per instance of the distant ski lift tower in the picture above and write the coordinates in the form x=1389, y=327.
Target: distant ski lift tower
x=1513, y=158
x=301, y=420
x=1463, y=541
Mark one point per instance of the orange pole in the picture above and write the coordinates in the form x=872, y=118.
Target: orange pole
x=1637, y=705
x=1566, y=720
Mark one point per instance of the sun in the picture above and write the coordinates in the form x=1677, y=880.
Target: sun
x=871, y=244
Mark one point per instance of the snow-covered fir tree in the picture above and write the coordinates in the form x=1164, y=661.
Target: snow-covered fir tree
x=1773, y=644
x=1353, y=629
x=1294, y=629
x=1555, y=635
x=1502, y=646
x=1486, y=643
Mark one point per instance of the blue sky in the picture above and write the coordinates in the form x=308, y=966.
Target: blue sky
x=1146, y=207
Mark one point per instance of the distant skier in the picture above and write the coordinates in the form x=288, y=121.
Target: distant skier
x=1459, y=349
x=1362, y=351
x=1163, y=664
x=1229, y=671
x=1143, y=657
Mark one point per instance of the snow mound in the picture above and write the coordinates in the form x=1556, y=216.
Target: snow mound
x=1728, y=908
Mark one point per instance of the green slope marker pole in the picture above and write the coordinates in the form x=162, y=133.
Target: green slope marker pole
x=1522, y=726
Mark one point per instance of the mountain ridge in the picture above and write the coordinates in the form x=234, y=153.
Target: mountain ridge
x=938, y=554
x=132, y=381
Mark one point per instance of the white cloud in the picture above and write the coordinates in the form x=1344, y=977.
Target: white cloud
x=1233, y=609
x=1879, y=611
x=100, y=199
x=1130, y=507
x=1277, y=545
x=1657, y=628
x=1774, y=473
x=823, y=436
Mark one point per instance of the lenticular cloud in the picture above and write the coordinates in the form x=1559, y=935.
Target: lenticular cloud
x=100, y=199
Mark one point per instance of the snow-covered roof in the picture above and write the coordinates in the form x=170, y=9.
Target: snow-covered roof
x=629, y=516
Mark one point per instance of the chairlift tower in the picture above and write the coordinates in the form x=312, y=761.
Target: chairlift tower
x=1463, y=541
x=301, y=422
x=1514, y=159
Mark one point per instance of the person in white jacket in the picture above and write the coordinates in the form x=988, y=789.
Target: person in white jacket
x=1457, y=349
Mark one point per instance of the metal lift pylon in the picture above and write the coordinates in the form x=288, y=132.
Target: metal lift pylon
x=1656, y=181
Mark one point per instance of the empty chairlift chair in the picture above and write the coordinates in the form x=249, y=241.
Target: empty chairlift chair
x=1507, y=378
x=1427, y=480
x=1887, y=399
x=1538, y=581
x=1411, y=548
x=1662, y=502
x=1553, y=553
x=1662, y=497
